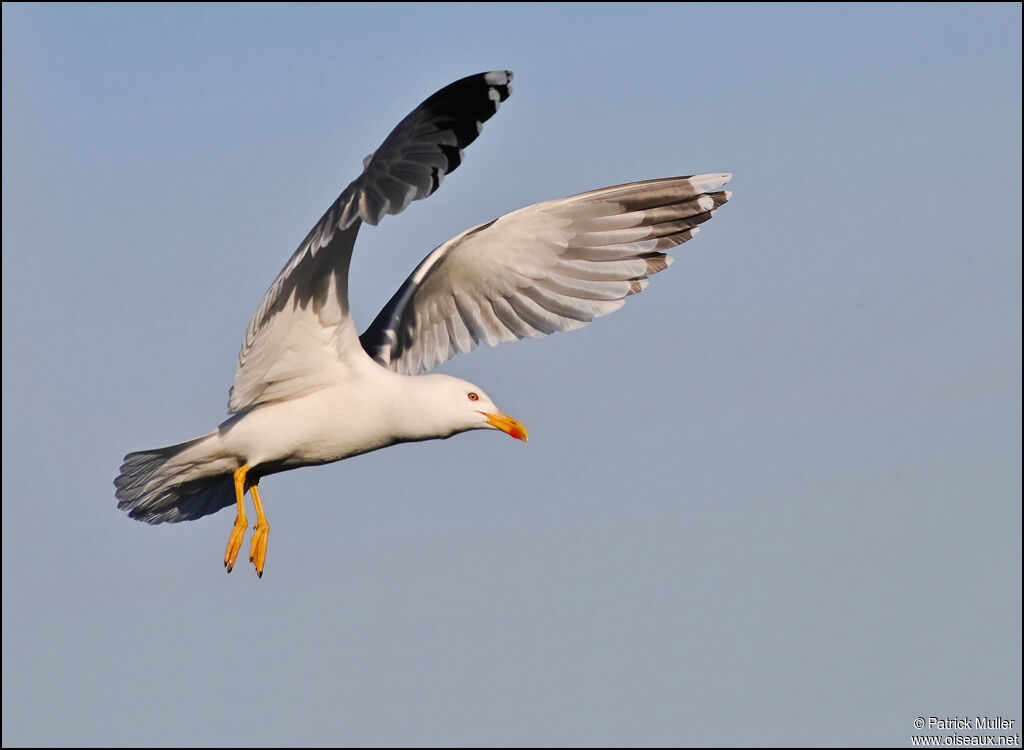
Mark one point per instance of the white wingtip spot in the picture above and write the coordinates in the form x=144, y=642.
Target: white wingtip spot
x=707, y=182
x=728, y=195
x=694, y=232
x=498, y=77
x=706, y=202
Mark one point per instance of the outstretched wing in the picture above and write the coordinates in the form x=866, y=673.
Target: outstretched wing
x=549, y=267
x=297, y=341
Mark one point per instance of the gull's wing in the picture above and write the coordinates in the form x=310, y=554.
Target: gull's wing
x=297, y=341
x=549, y=267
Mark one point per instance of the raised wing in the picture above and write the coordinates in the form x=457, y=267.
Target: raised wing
x=297, y=341
x=549, y=267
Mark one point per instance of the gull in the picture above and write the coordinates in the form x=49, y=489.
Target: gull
x=310, y=390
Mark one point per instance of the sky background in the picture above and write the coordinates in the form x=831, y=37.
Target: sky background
x=775, y=500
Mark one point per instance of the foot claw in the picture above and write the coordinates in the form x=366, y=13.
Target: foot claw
x=258, y=547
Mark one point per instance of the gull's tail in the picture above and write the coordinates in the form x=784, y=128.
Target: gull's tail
x=178, y=483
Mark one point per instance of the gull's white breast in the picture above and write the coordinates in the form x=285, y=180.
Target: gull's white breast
x=361, y=414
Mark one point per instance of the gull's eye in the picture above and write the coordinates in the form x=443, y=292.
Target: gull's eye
x=472, y=396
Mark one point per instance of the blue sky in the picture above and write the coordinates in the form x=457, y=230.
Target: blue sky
x=773, y=500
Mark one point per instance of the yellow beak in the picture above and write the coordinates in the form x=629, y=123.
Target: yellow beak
x=505, y=423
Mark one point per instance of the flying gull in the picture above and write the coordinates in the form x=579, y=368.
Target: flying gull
x=310, y=390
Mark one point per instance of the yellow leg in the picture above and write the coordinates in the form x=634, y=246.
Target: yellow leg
x=238, y=532
x=258, y=550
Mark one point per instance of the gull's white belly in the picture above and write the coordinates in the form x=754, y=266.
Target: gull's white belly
x=327, y=425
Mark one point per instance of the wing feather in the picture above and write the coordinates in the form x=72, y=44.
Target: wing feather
x=550, y=267
x=302, y=331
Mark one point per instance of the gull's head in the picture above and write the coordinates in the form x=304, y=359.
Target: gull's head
x=458, y=406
